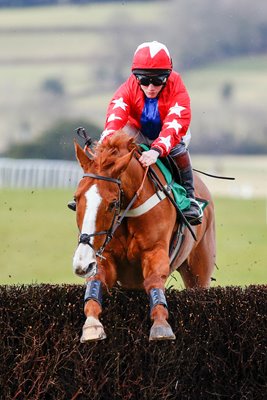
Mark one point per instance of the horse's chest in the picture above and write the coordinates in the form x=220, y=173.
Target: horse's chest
x=125, y=247
x=133, y=250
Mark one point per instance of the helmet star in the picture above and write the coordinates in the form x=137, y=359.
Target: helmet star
x=174, y=124
x=119, y=103
x=166, y=141
x=112, y=117
x=176, y=109
x=154, y=48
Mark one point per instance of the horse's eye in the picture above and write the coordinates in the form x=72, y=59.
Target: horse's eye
x=112, y=205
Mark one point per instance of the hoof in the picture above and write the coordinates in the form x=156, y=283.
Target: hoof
x=161, y=332
x=93, y=330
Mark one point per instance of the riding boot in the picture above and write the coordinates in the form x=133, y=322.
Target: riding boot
x=72, y=205
x=194, y=214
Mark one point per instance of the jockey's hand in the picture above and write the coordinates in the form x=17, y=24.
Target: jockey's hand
x=149, y=157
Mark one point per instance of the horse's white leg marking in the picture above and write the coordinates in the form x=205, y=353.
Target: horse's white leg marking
x=84, y=254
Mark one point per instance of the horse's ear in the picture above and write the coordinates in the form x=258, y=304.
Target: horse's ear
x=131, y=144
x=82, y=158
x=122, y=163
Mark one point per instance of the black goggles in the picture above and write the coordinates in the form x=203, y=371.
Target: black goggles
x=156, y=80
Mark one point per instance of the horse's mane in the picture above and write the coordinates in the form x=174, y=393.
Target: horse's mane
x=106, y=153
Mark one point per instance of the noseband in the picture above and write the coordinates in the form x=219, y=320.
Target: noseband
x=116, y=221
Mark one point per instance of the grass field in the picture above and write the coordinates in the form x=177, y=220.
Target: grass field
x=39, y=235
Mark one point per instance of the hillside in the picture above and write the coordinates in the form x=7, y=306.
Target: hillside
x=66, y=61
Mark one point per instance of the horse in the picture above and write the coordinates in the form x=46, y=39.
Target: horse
x=123, y=240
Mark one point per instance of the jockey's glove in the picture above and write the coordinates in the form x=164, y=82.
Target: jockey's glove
x=149, y=157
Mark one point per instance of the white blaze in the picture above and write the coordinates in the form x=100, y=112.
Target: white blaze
x=84, y=254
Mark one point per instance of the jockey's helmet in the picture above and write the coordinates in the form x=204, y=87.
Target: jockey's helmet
x=152, y=57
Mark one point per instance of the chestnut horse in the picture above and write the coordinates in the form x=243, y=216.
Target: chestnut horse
x=124, y=240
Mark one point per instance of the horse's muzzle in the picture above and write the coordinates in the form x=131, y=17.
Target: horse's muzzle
x=90, y=271
x=84, y=261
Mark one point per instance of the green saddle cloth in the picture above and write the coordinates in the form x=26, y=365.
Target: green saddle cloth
x=179, y=193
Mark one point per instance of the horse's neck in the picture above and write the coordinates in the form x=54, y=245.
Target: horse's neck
x=132, y=180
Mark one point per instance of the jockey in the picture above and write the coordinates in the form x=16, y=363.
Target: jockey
x=154, y=107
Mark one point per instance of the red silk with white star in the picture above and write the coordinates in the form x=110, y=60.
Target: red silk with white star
x=174, y=107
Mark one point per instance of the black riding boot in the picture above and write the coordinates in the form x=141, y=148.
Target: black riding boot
x=195, y=213
x=72, y=205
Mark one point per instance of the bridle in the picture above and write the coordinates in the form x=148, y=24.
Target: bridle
x=117, y=216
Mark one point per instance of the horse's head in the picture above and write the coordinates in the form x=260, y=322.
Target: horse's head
x=98, y=200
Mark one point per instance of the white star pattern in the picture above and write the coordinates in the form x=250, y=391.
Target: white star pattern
x=174, y=124
x=119, y=103
x=166, y=141
x=154, y=48
x=105, y=133
x=112, y=117
x=176, y=109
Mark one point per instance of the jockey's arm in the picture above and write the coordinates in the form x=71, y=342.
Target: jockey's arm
x=176, y=121
x=117, y=112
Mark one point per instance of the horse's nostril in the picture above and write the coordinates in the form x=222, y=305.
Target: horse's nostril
x=92, y=266
x=79, y=272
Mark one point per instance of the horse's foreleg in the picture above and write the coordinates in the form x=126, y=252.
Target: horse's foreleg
x=106, y=277
x=161, y=329
x=93, y=329
x=155, y=271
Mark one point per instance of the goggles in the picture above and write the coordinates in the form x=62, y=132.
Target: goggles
x=157, y=80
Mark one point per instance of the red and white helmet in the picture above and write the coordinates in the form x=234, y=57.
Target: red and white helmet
x=152, y=55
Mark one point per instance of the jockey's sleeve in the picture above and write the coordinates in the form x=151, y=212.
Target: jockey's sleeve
x=117, y=112
x=177, y=119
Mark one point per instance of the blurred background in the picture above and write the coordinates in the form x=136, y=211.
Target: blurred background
x=60, y=63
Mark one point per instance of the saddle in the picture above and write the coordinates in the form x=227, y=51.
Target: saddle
x=167, y=166
x=172, y=176
x=171, y=165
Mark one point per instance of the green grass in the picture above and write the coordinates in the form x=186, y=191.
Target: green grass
x=241, y=229
x=39, y=236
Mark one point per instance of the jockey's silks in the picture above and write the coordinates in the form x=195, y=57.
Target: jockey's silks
x=172, y=107
x=150, y=119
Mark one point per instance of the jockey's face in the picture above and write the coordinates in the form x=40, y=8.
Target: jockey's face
x=152, y=84
x=151, y=91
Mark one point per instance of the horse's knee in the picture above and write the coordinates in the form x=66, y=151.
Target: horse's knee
x=155, y=271
x=155, y=280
